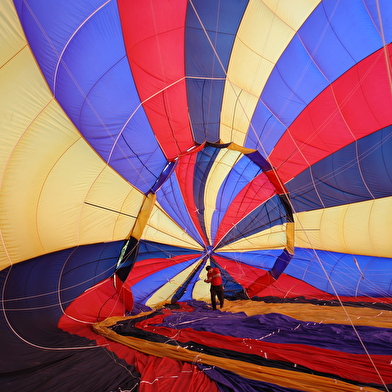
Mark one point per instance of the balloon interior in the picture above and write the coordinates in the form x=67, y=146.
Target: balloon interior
x=145, y=141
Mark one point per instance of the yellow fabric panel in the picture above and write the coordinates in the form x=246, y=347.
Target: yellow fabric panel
x=201, y=290
x=164, y=295
x=360, y=228
x=218, y=173
x=162, y=229
x=143, y=216
x=237, y=147
x=285, y=378
x=290, y=232
x=12, y=39
x=273, y=238
x=266, y=29
x=64, y=197
x=315, y=313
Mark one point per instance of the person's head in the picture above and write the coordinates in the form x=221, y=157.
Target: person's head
x=208, y=267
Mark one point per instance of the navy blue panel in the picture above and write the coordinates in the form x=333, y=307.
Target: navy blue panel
x=205, y=100
x=210, y=32
x=281, y=263
x=167, y=171
x=66, y=370
x=342, y=274
x=358, y=172
x=335, y=37
x=259, y=160
x=267, y=215
x=149, y=250
x=204, y=161
x=34, y=295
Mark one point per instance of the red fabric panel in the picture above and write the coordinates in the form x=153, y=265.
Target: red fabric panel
x=124, y=293
x=355, y=105
x=154, y=43
x=94, y=305
x=156, y=374
x=243, y=274
x=288, y=287
x=166, y=374
x=185, y=176
x=322, y=360
x=260, y=284
x=145, y=268
x=250, y=197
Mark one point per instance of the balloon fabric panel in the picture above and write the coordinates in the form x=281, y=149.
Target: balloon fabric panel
x=145, y=141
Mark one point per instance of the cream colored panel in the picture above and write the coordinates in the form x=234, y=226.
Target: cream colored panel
x=63, y=197
x=12, y=39
x=86, y=201
x=360, y=228
x=55, y=192
x=218, y=173
x=162, y=229
x=201, y=290
x=265, y=31
x=293, y=13
x=273, y=238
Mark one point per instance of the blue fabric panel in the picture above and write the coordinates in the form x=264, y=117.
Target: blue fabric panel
x=210, y=29
x=170, y=198
x=267, y=215
x=380, y=8
x=266, y=130
x=204, y=161
x=330, y=47
x=359, y=38
x=87, y=69
x=264, y=259
x=147, y=287
x=372, y=276
x=149, y=250
x=41, y=21
x=358, y=172
x=297, y=85
x=240, y=175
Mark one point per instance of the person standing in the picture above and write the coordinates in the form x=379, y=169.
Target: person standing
x=215, y=278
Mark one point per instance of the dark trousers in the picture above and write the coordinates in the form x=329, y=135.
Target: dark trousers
x=217, y=291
